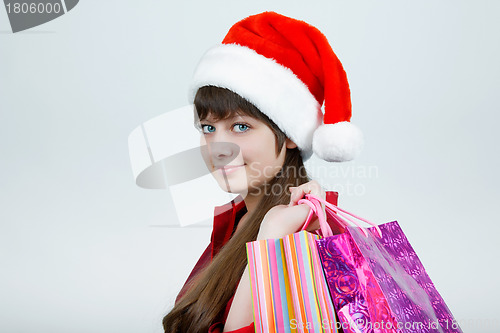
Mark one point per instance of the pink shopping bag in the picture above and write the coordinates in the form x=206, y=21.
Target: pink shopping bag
x=377, y=281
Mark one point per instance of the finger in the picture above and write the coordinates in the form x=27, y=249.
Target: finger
x=296, y=195
x=300, y=191
x=317, y=190
x=311, y=187
x=291, y=189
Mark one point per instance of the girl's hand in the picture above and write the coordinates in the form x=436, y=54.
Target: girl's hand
x=283, y=220
x=311, y=187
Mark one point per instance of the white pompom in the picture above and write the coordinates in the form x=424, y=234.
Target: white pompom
x=337, y=142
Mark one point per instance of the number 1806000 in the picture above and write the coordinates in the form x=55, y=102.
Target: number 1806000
x=33, y=8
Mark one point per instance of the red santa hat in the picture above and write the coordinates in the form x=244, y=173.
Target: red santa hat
x=288, y=70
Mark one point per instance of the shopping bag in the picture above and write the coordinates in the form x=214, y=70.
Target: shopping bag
x=289, y=289
x=377, y=281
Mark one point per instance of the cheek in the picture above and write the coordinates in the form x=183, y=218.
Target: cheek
x=205, y=152
x=249, y=149
x=263, y=142
x=263, y=162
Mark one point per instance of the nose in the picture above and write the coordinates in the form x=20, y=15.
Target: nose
x=223, y=150
x=219, y=153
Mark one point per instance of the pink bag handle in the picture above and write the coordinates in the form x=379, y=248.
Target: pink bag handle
x=318, y=211
x=343, y=223
x=343, y=214
x=315, y=206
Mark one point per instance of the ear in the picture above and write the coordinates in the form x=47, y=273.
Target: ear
x=290, y=144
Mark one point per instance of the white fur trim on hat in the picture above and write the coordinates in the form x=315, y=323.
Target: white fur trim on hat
x=274, y=89
x=337, y=142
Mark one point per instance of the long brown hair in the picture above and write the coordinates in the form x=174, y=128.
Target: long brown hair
x=208, y=293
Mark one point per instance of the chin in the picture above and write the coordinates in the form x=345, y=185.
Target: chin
x=234, y=187
x=243, y=190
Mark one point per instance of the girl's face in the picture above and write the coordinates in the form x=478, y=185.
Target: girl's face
x=241, y=152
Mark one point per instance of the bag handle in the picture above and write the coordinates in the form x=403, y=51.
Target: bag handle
x=317, y=210
x=315, y=206
x=341, y=222
x=342, y=214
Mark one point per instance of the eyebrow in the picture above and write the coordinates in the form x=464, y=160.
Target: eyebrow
x=228, y=118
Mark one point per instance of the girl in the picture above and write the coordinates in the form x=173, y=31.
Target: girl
x=258, y=98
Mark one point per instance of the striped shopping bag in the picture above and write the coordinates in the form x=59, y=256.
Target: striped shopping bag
x=289, y=289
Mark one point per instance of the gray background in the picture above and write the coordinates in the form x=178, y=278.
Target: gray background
x=80, y=245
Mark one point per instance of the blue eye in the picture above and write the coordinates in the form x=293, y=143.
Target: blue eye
x=240, y=127
x=207, y=128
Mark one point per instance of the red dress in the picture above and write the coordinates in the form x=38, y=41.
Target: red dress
x=226, y=219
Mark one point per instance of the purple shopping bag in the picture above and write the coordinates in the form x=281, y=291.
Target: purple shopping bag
x=377, y=282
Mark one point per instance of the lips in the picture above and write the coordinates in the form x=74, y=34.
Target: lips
x=231, y=168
